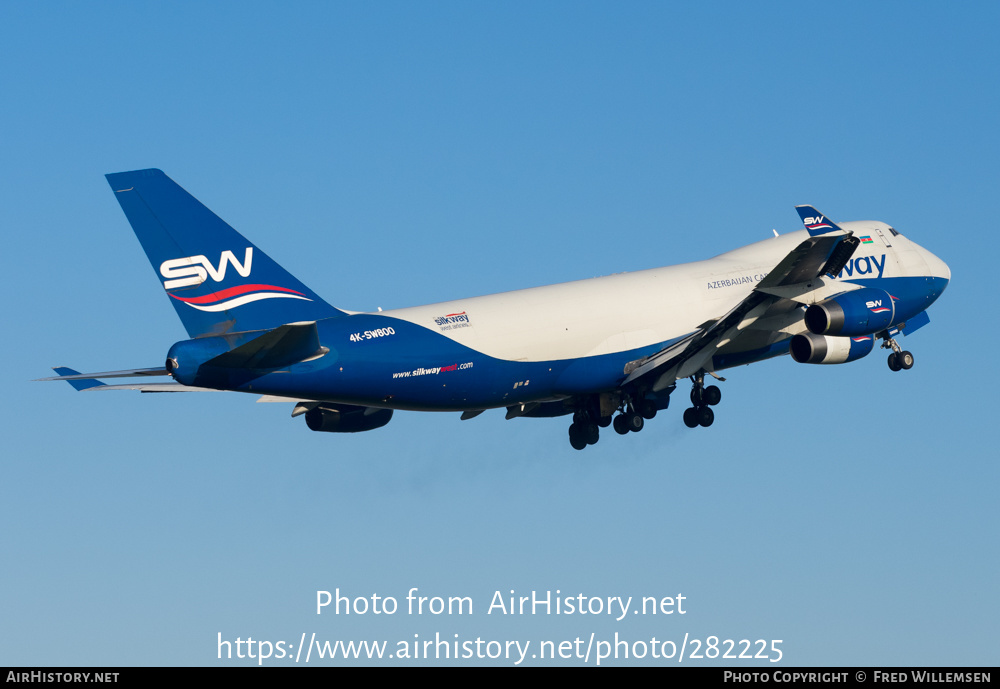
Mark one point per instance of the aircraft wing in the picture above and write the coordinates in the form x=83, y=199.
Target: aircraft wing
x=799, y=273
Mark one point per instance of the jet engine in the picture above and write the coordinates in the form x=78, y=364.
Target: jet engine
x=861, y=312
x=822, y=349
x=346, y=418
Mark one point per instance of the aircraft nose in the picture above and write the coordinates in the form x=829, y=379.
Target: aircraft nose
x=938, y=268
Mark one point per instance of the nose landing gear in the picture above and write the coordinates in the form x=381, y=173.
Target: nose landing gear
x=899, y=359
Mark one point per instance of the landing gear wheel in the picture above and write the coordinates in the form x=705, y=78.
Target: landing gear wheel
x=691, y=419
x=697, y=395
x=604, y=421
x=647, y=409
x=576, y=438
x=634, y=422
x=705, y=417
x=621, y=425
x=899, y=359
x=712, y=395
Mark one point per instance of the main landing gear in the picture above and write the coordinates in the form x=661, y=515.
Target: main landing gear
x=899, y=359
x=703, y=399
x=634, y=409
x=633, y=417
x=585, y=429
x=629, y=412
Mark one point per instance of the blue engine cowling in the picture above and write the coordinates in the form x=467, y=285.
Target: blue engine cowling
x=346, y=418
x=822, y=349
x=861, y=312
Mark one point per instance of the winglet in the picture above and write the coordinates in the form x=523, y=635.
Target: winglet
x=77, y=383
x=815, y=221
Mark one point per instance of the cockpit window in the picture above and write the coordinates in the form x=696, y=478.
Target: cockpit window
x=894, y=233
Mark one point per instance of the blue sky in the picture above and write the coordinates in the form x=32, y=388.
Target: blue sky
x=397, y=154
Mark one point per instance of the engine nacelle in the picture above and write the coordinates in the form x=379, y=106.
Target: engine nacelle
x=346, y=418
x=861, y=312
x=821, y=349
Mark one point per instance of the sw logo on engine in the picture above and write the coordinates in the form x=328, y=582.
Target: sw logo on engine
x=876, y=306
x=194, y=270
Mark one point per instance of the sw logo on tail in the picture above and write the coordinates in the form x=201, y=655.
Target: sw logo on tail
x=194, y=270
x=608, y=351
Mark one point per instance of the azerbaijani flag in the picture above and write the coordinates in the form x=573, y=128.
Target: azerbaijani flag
x=867, y=240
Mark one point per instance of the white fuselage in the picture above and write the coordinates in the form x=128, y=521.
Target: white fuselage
x=631, y=310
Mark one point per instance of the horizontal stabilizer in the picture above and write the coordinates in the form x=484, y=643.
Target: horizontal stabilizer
x=151, y=387
x=75, y=378
x=88, y=381
x=70, y=374
x=281, y=347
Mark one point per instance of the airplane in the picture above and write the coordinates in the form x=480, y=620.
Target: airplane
x=607, y=350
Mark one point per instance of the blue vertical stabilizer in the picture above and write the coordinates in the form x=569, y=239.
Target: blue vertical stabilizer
x=216, y=280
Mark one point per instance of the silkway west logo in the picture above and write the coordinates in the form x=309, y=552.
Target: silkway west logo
x=194, y=270
x=453, y=320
